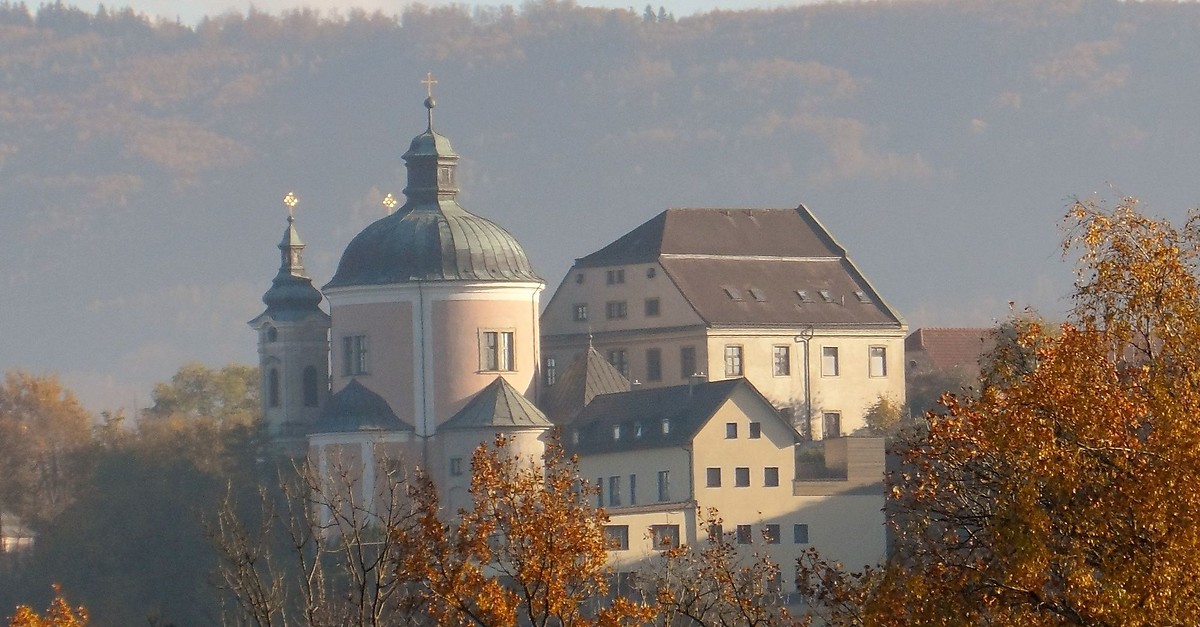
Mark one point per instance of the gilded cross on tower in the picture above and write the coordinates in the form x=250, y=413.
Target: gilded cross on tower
x=429, y=82
x=389, y=201
x=291, y=201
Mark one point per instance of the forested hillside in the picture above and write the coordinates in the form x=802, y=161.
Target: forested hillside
x=142, y=163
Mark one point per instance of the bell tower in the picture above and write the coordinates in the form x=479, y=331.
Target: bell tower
x=293, y=343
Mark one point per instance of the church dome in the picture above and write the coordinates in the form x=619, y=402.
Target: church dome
x=432, y=237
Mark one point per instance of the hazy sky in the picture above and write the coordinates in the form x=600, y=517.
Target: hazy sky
x=190, y=11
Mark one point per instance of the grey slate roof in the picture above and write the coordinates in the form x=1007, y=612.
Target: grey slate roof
x=588, y=375
x=753, y=267
x=355, y=408
x=498, y=406
x=292, y=295
x=687, y=410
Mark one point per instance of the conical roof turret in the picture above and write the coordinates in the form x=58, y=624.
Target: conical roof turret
x=292, y=294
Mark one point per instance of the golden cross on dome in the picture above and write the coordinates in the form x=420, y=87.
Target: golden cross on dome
x=389, y=201
x=429, y=82
x=291, y=201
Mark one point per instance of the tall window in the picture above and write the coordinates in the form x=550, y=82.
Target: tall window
x=354, y=355
x=832, y=424
x=551, y=370
x=664, y=485
x=616, y=309
x=633, y=489
x=771, y=534
x=755, y=430
x=618, y=359
x=496, y=350
x=687, y=362
x=456, y=466
x=829, y=361
x=733, y=360
x=273, y=388
x=614, y=491
x=731, y=431
x=309, y=386
x=800, y=533
x=781, y=360
x=580, y=312
x=878, y=359
x=745, y=535
x=653, y=364
x=771, y=476
x=651, y=307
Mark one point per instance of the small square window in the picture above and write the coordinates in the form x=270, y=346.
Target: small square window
x=651, y=307
x=665, y=536
x=741, y=477
x=771, y=476
x=731, y=431
x=771, y=534
x=745, y=535
x=617, y=537
x=755, y=430
x=580, y=312
x=456, y=466
x=800, y=534
x=713, y=476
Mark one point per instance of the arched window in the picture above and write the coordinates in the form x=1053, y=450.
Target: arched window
x=273, y=388
x=310, y=386
x=272, y=334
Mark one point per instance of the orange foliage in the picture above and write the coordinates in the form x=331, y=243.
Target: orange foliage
x=59, y=614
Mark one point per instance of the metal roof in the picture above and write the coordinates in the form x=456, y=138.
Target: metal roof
x=356, y=408
x=499, y=405
x=588, y=375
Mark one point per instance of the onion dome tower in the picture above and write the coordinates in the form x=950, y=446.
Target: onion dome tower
x=432, y=303
x=293, y=344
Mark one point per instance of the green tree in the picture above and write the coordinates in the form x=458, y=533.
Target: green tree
x=228, y=395
x=1068, y=491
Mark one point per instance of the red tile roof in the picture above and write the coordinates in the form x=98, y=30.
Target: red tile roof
x=948, y=348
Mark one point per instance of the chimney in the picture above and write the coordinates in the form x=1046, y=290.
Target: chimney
x=697, y=377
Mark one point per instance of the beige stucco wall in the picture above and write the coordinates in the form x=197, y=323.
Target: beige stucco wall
x=645, y=465
x=389, y=330
x=595, y=292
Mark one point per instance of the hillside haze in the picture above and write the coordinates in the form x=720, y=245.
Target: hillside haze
x=143, y=163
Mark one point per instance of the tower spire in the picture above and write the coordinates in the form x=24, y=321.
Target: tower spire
x=291, y=249
x=430, y=103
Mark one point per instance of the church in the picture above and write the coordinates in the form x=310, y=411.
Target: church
x=432, y=345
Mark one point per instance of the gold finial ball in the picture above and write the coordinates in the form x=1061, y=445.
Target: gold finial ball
x=290, y=201
x=389, y=201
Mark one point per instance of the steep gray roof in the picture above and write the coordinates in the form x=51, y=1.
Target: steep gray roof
x=753, y=266
x=292, y=295
x=588, y=375
x=356, y=408
x=498, y=406
x=640, y=415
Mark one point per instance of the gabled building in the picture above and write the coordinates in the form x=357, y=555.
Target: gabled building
x=661, y=457
x=765, y=294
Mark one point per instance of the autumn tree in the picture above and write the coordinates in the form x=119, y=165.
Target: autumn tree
x=886, y=417
x=1068, y=492
x=529, y=549
x=59, y=614
x=43, y=433
x=227, y=395
x=716, y=583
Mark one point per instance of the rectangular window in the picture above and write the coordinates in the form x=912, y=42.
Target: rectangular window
x=456, y=467
x=551, y=370
x=580, y=312
x=617, y=358
x=731, y=431
x=614, y=491
x=616, y=276
x=800, y=534
x=733, y=360
x=496, y=351
x=781, y=360
x=617, y=537
x=687, y=362
x=831, y=424
x=665, y=536
x=745, y=535
x=651, y=307
x=616, y=309
x=633, y=489
x=354, y=355
x=716, y=533
x=599, y=491
x=755, y=430
x=741, y=477
x=829, y=361
x=653, y=364
x=771, y=534
x=771, y=476
x=664, y=485
x=878, y=359
x=713, y=476
x=666, y=426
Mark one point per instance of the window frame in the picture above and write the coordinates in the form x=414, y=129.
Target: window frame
x=579, y=312
x=622, y=364
x=772, y=533
x=497, y=350
x=687, y=356
x=614, y=491
x=755, y=431
x=654, y=364
x=800, y=533
x=664, y=531
x=616, y=537
x=881, y=373
x=652, y=308
x=664, y=486
x=731, y=430
x=741, y=477
x=830, y=361
x=744, y=534
x=355, y=352
x=735, y=360
x=712, y=477
x=616, y=310
x=771, y=476
x=826, y=418
x=781, y=368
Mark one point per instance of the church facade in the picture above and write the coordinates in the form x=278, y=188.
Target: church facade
x=433, y=344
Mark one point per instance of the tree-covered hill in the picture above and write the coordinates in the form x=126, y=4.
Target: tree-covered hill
x=142, y=163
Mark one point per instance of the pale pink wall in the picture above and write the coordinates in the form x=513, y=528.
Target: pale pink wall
x=456, y=327
x=389, y=328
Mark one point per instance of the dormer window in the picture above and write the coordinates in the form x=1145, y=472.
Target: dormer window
x=826, y=295
x=804, y=297
x=616, y=432
x=637, y=430
x=758, y=295
x=666, y=426
x=732, y=293
x=861, y=296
